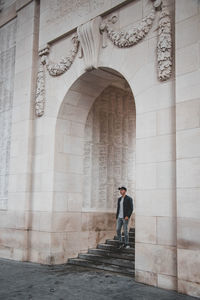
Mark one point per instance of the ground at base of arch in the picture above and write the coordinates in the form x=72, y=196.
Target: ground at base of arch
x=21, y=280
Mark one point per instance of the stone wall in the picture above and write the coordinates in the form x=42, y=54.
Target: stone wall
x=109, y=149
x=188, y=145
x=7, y=67
x=45, y=214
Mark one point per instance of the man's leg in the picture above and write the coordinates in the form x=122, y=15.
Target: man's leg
x=126, y=234
x=119, y=228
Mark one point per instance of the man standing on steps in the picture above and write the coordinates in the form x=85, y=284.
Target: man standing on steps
x=124, y=211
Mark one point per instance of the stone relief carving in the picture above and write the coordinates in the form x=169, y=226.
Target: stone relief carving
x=164, y=47
x=89, y=37
x=56, y=69
x=40, y=91
x=127, y=39
x=7, y=67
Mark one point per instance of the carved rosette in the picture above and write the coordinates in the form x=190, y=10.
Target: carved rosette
x=164, y=47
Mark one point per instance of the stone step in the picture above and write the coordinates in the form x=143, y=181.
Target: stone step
x=131, y=240
x=108, y=260
x=115, y=249
x=101, y=266
x=116, y=243
x=132, y=229
x=108, y=253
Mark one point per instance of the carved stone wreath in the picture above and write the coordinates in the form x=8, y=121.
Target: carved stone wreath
x=88, y=38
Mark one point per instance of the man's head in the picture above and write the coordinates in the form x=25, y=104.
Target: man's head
x=122, y=190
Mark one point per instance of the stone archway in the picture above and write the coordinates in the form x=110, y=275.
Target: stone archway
x=81, y=223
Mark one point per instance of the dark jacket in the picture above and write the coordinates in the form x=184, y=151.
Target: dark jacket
x=127, y=205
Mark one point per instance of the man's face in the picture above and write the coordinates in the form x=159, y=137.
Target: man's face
x=123, y=192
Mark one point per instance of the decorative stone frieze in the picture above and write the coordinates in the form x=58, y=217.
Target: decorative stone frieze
x=89, y=37
x=125, y=39
x=164, y=47
x=56, y=69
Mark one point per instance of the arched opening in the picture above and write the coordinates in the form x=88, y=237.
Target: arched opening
x=109, y=149
x=94, y=154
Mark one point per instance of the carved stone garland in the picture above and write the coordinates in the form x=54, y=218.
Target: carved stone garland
x=127, y=39
x=54, y=69
x=90, y=48
x=123, y=39
x=164, y=46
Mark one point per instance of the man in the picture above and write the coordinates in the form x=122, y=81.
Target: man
x=124, y=211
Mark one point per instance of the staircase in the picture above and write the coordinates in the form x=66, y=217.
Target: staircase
x=109, y=258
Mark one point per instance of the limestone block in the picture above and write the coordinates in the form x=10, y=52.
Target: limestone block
x=75, y=202
x=188, y=173
x=43, y=144
x=60, y=202
x=146, y=229
x=184, y=111
x=18, y=201
x=146, y=176
x=58, y=242
x=166, y=231
x=184, y=83
x=13, y=238
x=138, y=55
x=154, y=98
x=77, y=129
x=73, y=113
x=130, y=13
x=45, y=221
x=20, y=183
x=188, y=233
x=24, y=62
x=188, y=143
x=155, y=203
x=69, y=181
x=156, y=258
x=185, y=9
x=39, y=241
x=167, y=282
x=187, y=59
x=20, y=112
x=166, y=175
x=187, y=32
x=146, y=125
x=42, y=201
x=146, y=277
x=66, y=222
x=189, y=288
x=43, y=163
x=138, y=81
x=43, y=182
x=155, y=149
x=166, y=121
x=189, y=265
x=188, y=204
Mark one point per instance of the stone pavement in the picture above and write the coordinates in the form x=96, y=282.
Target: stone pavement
x=21, y=281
